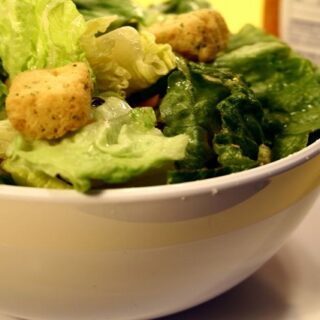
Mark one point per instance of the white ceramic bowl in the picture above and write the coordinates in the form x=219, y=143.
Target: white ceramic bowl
x=145, y=252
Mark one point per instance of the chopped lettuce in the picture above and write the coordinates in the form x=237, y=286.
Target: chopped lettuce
x=3, y=94
x=25, y=175
x=182, y=6
x=183, y=175
x=249, y=35
x=121, y=144
x=258, y=102
x=125, y=9
x=3, y=91
x=163, y=10
x=5, y=178
x=188, y=107
x=125, y=60
x=221, y=116
x=3, y=74
x=39, y=34
x=7, y=135
x=286, y=84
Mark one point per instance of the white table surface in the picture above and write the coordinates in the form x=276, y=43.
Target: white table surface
x=286, y=288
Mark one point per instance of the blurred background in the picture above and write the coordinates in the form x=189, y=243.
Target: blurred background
x=236, y=13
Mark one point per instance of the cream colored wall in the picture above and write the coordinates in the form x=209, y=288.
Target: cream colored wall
x=236, y=12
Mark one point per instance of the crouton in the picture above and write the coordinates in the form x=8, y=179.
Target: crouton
x=198, y=35
x=48, y=103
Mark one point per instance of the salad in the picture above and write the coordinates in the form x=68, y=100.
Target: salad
x=98, y=94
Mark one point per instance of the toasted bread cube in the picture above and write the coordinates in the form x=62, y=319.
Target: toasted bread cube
x=48, y=103
x=198, y=35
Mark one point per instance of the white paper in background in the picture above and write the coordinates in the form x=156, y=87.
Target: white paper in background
x=300, y=26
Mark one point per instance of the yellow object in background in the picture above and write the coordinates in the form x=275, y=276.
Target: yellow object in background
x=236, y=12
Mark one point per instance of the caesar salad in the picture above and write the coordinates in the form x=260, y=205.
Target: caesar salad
x=100, y=94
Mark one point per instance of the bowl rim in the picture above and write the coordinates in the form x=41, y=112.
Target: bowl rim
x=162, y=192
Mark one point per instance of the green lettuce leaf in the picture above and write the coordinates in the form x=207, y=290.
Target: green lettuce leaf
x=23, y=175
x=189, y=107
x=7, y=135
x=249, y=35
x=179, y=176
x=286, y=84
x=39, y=34
x=181, y=6
x=3, y=74
x=125, y=9
x=3, y=94
x=3, y=91
x=221, y=116
x=125, y=60
x=161, y=11
x=5, y=178
x=121, y=144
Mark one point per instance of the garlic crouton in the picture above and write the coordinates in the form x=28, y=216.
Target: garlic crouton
x=48, y=103
x=198, y=35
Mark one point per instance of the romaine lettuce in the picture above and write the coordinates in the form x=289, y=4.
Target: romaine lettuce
x=161, y=11
x=39, y=34
x=3, y=74
x=189, y=107
x=7, y=135
x=121, y=144
x=222, y=118
x=182, y=6
x=3, y=94
x=5, y=178
x=286, y=84
x=125, y=9
x=124, y=60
